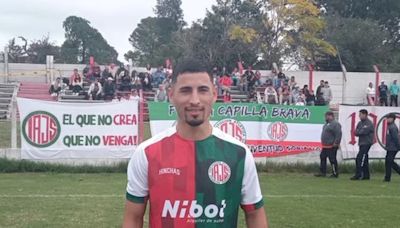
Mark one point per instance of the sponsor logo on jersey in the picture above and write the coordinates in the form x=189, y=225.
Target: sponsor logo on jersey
x=191, y=209
x=232, y=127
x=41, y=129
x=173, y=171
x=277, y=131
x=219, y=172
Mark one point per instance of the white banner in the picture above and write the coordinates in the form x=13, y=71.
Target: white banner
x=349, y=117
x=54, y=130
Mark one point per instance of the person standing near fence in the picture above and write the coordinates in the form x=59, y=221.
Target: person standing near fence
x=392, y=147
x=365, y=133
x=330, y=139
x=394, y=93
x=193, y=175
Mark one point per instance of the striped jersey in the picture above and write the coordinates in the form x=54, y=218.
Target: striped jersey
x=193, y=184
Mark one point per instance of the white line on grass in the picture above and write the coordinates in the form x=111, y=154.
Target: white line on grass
x=266, y=196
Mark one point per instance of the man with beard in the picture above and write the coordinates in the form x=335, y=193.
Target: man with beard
x=392, y=147
x=193, y=175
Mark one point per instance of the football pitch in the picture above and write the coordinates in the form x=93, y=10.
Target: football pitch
x=291, y=200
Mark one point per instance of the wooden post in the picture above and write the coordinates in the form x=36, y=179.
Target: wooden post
x=6, y=70
x=377, y=78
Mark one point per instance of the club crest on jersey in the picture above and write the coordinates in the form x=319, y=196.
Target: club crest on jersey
x=219, y=172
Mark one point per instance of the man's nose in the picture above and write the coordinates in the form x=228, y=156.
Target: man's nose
x=194, y=99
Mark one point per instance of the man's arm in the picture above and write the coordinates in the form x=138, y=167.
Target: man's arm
x=134, y=213
x=256, y=218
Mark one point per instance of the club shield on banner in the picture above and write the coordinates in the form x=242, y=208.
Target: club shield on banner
x=55, y=130
x=269, y=131
x=349, y=117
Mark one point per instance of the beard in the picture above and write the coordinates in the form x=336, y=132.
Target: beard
x=195, y=121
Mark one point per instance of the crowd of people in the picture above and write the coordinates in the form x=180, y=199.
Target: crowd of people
x=113, y=83
x=386, y=94
x=277, y=89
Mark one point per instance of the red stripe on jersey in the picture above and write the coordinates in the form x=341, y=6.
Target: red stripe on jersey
x=171, y=176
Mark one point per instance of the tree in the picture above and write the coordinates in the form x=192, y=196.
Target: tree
x=359, y=52
x=39, y=49
x=170, y=9
x=17, y=53
x=293, y=31
x=83, y=41
x=385, y=12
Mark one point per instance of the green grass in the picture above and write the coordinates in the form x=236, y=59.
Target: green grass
x=5, y=134
x=292, y=200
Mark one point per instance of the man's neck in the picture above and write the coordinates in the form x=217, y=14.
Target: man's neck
x=194, y=133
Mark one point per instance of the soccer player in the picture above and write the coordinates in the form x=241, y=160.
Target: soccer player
x=365, y=133
x=193, y=175
x=392, y=147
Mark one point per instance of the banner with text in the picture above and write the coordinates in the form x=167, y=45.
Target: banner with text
x=349, y=117
x=53, y=130
x=269, y=131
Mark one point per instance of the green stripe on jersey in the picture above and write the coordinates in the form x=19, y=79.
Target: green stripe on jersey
x=210, y=190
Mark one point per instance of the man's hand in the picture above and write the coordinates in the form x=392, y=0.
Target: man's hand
x=256, y=219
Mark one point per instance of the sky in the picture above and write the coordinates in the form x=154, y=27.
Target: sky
x=114, y=19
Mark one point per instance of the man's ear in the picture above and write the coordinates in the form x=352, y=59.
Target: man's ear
x=170, y=93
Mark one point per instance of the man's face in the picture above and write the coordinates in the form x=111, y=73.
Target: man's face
x=395, y=82
x=75, y=72
x=362, y=116
x=326, y=85
x=389, y=120
x=193, y=96
x=322, y=83
x=328, y=118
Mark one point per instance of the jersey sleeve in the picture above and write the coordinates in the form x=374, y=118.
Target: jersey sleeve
x=137, y=189
x=252, y=198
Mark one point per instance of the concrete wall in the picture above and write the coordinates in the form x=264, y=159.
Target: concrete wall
x=354, y=88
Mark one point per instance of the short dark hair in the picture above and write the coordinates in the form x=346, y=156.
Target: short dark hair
x=329, y=113
x=364, y=111
x=391, y=115
x=190, y=66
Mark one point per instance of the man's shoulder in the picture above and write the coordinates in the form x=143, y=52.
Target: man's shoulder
x=157, y=138
x=228, y=138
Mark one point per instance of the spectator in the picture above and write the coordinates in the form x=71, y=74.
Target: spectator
x=94, y=75
x=135, y=96
x=146, y=81
x=284, y=94
x=383, y=94
x=148, y=69
x=161, y=94
x=250, y=78
x=126, y=83
x=370, y=91
x=136, y=84
x=326, y=93
x=94, y=91
x=271, y=96
x=320, y=100
x=394, y=93
x=243, y=85
x=56, y=87
x=257, y=78
x=280, y=78
x=321, y=85
x=122, y=71
x=227, y=97
x=310, y=97
x=235, y=76
x=292, y=83
x=158, y=76
x=301, y=99
x=109, y=89
x=225, y=82
x=105, y=75
x=113, y=70
x=76, y=82
x=295, y=94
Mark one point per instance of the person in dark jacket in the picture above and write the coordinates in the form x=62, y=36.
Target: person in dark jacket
x=392, y=146
x=330, y=139
x=365, y=133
